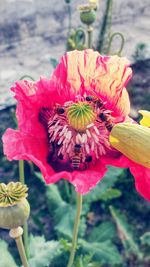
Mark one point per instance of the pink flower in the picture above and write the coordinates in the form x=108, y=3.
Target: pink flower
x=65, y=121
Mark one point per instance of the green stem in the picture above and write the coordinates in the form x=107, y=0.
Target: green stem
x=75, y=230
x=122, y=42
x=89, y=32
x=70, y=18
x=21, y=251
x=25, y=226
x=21, y=171
x=105, y=25
x=17, y=235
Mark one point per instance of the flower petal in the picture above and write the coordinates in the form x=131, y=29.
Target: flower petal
x=142, y=180
x=18, y=145
x=31, y=96
x=86, y=180
x=83, y=71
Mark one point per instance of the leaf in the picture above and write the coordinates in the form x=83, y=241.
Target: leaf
x=5, y=257
x=85, y=261
x=54, y=199
x=103, y=252
x=145, y=239
x=125, y=233
x=105, y=231
x=64, y=221
x=40, y=177
x=110, y=193
x=42, y=252
x=106, y=183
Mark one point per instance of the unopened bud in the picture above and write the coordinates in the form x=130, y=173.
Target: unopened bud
x=133, y=141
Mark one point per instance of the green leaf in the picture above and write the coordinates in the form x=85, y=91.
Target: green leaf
x=103, y=252
x=54, y=199
x=5, y=257
x=106, y=183
x=40, y=177
x=85, y=261
x=110, y=193
x=64, y=221
x=145, y=239
x=125, y=233
x=105, y=231
x=42, y=252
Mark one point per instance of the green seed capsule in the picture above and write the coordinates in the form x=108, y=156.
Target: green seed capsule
x=14, y=208
x=88, y=16
x=14, y=216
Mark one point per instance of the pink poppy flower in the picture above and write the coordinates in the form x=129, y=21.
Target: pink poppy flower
x=64, y=122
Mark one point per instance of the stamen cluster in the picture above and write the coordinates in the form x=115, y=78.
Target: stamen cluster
x=77, y=132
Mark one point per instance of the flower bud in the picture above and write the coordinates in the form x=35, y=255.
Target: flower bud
x=133, y=141
x=14, y=208
x=146, y=118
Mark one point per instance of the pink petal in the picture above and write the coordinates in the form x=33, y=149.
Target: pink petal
x=83, y=71
x=18, y=145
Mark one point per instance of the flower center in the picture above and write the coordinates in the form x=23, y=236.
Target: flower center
x=80, y=115
x=77, y=132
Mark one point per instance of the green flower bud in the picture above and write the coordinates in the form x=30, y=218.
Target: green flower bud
x=14, y=208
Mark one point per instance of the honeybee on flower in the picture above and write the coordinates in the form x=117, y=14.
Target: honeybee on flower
x=66, y=134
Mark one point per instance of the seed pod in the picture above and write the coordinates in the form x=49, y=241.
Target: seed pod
x=14, y=208
x=133, y=141
x=88, y=16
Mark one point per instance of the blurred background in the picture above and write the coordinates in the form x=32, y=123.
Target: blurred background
x=115, y=223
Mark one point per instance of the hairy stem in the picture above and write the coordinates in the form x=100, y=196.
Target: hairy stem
x=17, y=235
x=75, y=230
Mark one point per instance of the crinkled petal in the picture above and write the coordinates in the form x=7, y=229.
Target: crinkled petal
x=83, y=71
x=31, y=96
x=86, y=180
x=19, y=146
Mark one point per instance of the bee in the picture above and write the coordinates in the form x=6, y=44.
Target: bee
x=60, y=110
x=107, y=118
x=98, y=103
x=76, y=159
